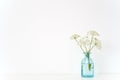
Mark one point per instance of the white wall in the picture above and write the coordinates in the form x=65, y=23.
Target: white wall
x=35, y=35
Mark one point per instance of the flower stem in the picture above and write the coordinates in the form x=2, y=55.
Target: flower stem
x=92, y=47
x=80, y=46
x=88, y=56
x=90, y=44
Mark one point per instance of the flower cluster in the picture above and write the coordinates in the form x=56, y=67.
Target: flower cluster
x=88, y=42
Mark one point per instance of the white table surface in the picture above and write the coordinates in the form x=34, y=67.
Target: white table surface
x=57, y=77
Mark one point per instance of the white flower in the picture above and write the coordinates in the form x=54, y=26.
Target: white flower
x=84, y=41
x=93, y=33
x=88, y=42
x=98, y=43
x=75, y=36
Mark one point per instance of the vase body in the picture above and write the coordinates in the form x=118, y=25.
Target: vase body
x=87, y=67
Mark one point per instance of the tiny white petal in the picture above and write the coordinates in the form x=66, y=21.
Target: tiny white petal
x=75, y=36
x=93, y=33
x=84, y=41
x=98, y=44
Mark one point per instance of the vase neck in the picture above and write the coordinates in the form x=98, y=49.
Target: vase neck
x=87, y=55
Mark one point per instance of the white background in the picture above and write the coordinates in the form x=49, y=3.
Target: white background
x=35, y=35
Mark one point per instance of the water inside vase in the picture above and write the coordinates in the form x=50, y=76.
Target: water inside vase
x=85, y=71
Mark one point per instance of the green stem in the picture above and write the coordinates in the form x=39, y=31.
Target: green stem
x=86, y=48
x=88, y=56
x=90, y=44
x=91, y=48
x=80, y=46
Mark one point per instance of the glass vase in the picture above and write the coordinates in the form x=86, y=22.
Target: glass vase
x=87, y=67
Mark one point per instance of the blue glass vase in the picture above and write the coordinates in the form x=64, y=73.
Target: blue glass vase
x=87, y=67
